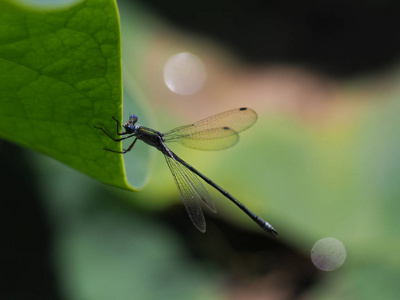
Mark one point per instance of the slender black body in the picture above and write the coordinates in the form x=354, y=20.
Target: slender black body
x=206, y=135
x=260, y=222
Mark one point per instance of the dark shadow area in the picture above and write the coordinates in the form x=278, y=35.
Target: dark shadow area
x=247, y=257
x=26, y=235
x=338, y=38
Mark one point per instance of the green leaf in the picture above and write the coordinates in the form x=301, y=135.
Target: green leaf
x=60, y=75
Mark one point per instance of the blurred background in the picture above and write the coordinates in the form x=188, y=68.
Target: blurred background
x=321, y=164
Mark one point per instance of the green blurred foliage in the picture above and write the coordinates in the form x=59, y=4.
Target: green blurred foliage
x=105, y=250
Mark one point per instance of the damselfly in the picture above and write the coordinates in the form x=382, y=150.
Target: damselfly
x=214, y=133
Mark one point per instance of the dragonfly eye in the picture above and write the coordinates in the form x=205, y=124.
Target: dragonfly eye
x=133, y=118
x=129, y=128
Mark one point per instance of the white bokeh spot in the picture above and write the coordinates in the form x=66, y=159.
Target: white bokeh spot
x=184, y=73
x=328, y=254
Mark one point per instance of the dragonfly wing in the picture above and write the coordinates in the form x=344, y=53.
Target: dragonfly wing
x=207, y=134
x=198, y=187
x=238, y=119
x=209, y=139
x=191, y=190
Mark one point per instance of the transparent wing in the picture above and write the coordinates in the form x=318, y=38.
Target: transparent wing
x=191, y=190
x=209, y=139
x=207, y=134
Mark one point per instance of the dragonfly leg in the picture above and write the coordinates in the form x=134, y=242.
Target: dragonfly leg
x=124, y=150
x=118, y=127
x=130, y=147
x=119, y=133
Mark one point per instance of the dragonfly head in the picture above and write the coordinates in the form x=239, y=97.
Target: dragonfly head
x=130, y=126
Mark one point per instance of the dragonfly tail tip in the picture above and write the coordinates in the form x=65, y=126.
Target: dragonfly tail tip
x=267, y=227
x=273, y=232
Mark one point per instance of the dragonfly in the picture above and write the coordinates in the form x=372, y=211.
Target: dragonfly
x=217, y=132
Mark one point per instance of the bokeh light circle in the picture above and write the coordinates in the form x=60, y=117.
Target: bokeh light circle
x=328, y=254
x=184, y=73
